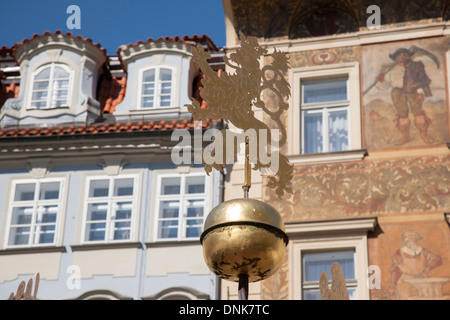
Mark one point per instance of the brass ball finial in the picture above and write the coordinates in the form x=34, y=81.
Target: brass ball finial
x=244, y=237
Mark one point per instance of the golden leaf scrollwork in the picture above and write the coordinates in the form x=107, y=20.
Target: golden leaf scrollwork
x=231, y=97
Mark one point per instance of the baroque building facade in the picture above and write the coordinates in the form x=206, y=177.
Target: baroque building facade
x=91, y=199
x=368, y=135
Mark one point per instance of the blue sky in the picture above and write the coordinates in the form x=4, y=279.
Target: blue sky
x=113, y=22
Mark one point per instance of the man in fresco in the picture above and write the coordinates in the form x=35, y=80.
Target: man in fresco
x=410, y=262
x=410, y=85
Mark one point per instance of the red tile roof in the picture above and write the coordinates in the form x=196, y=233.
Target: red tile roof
x=186, y=39
x=57, y=32
x=104, y=128
x=8, y=91
x=111, y=91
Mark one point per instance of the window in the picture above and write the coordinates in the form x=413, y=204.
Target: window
x=110, y=208
x=314, y=263
x=181, y=206
x=34, y=212
x=314, y=246
x=325, y=117
x=324, y=109
x=157, y=87
x=50, y=87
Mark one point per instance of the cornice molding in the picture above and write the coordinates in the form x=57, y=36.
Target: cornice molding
x=361, y=225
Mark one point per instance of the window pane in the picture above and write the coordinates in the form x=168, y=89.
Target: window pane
x=312, y=132
x=19, y=235
x=170, y=186
x=123, y=187
x=97, y=211
x=44, y=74
x=24, y=192
x=40, y=95
x=39, y=105
x=168, y=229
x=96, y=226
x=22, y=215
x=46, y=234
x=123, y=210
x=194, y=228
x=148, y=89
x=60, y=73
x=169, y=209
x=49, y=190
x=60, y=84
x=149, y=75
x=147, y=102
x=314, y=294
x=195, y=208
x=315, y=263
x=40, y=85
x=165, y=101
x=311, y=294
x=98, y=188
x=338, y=130
x=325, y=90
x=122, y=230
x=166, y=88
x=48, y=213
x=58, y=103
x=95, y=232
x=165, y=75
x=195, y=185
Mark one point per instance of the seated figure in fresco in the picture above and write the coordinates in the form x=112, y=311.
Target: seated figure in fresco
x=409, y=262
x=410, y=85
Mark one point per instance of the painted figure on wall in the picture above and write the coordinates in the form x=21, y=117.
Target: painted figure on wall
x=409, y=85
x=404, y=104
x=410, y=266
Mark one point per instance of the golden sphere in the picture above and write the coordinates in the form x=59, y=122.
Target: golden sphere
x=244, y=236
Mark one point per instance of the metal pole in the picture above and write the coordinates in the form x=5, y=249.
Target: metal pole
x=243, y=287
x=247, y=173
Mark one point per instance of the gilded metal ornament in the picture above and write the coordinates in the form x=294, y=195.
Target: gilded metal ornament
x=338, y=289
x=232, y=97
x=25, y=293
x=244, y=237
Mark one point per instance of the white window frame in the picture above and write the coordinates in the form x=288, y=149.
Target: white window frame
x=52, y=66
x=36, y=215
x=295, y=127
x=350, y=283
x=324, y=109
x=329, y=236
x=156, y=94
x=110, y=200
x=181, y=234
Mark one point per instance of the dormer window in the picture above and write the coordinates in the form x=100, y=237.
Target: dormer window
x=157, y=88
x=51, y=85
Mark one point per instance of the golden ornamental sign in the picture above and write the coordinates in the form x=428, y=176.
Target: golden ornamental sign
x=234, y=97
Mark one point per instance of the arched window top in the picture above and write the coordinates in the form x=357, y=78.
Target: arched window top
x=157, y=88
x=51, y=87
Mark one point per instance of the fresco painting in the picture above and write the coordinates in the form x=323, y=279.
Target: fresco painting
x=404, y=94
x=413, y=259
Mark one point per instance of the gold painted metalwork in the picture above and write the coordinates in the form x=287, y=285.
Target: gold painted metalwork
x=338, y=289
x=25, y=294
x=232, y=97
x=244, y=237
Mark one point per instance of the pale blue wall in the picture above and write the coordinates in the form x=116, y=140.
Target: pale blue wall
x=135, y=287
